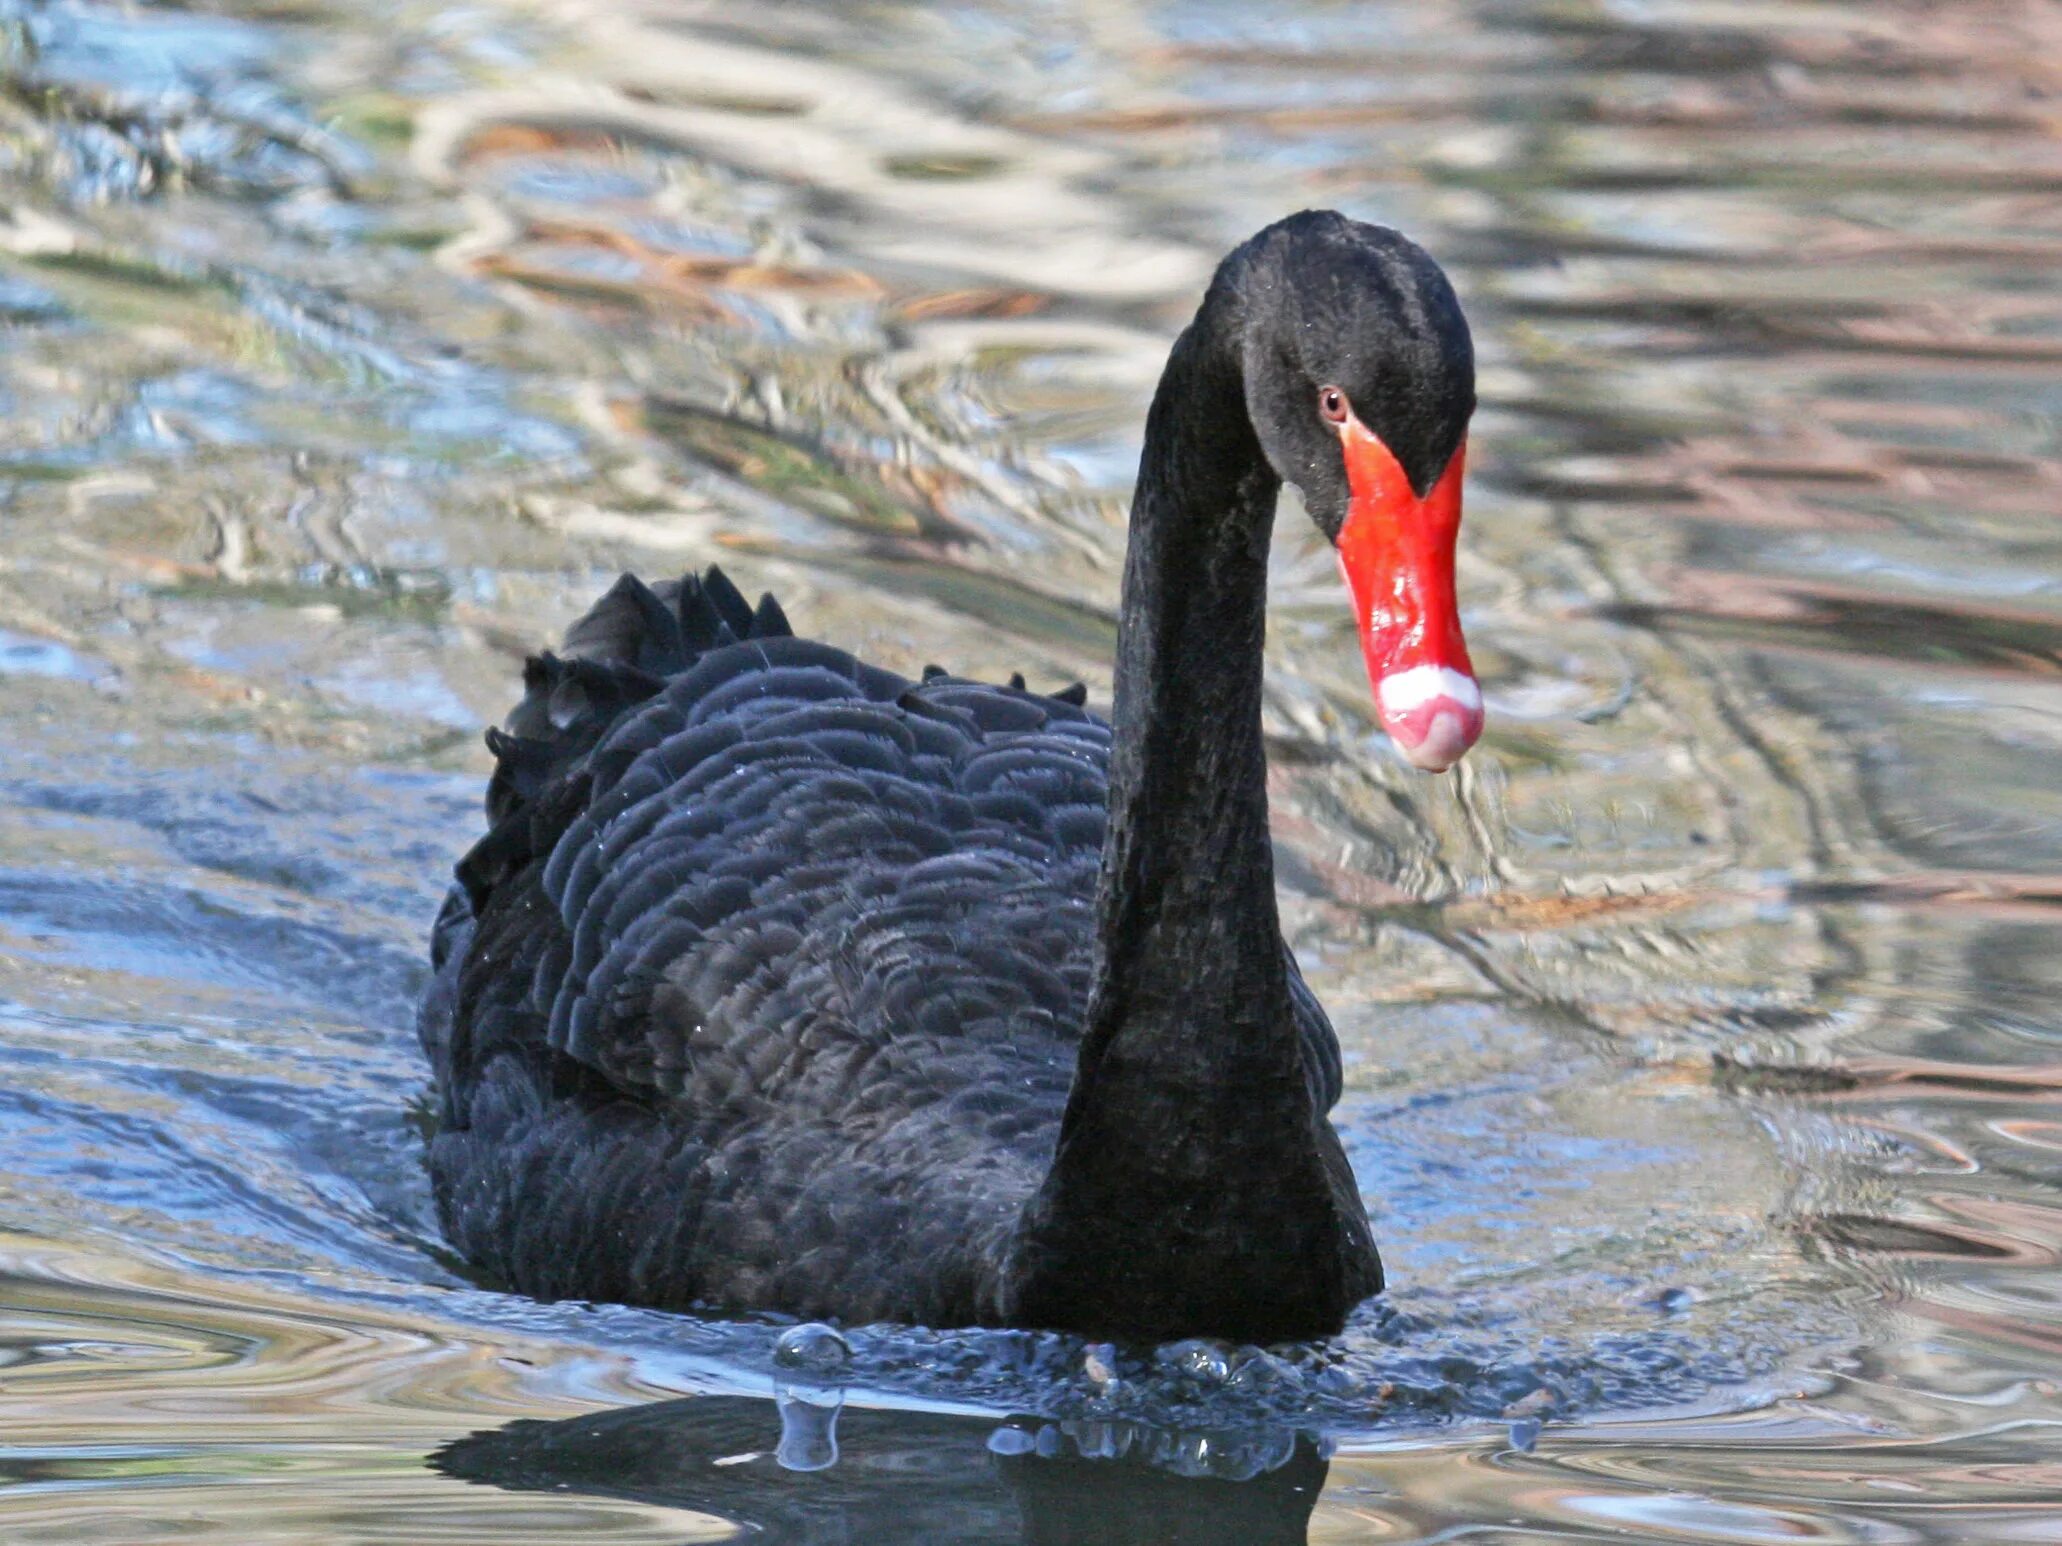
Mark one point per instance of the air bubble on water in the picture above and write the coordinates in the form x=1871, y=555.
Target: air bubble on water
x=812, y=1348
x=1202, y=1361
x=1338, y=1381
x=1259, y=1372
x=1011, y=1441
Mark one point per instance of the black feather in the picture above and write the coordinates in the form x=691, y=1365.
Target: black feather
x=769, y=621
x=701, y=620
x=728, y=600
x=661, y=645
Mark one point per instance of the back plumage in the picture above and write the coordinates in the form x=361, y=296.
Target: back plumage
x=764, y=987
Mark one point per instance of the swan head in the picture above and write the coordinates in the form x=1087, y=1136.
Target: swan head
x=1360, y=380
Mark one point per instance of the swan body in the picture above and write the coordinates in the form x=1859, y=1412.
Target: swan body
x=782, y=981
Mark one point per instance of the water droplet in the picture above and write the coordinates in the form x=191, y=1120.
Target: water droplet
x=1011, y=1441
x=1258, y=1372
x=1191, y=1454
x=1249, y=1455
x=813, y=1347
x=808, y=1436
x=1099, y=1364
x=1338, y=1380
x=1204, y=1362
x=1092, y=1440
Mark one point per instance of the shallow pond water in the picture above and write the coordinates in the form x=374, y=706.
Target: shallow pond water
x=1702, y=1032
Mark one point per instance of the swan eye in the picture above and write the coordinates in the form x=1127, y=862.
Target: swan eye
x=1331, y=402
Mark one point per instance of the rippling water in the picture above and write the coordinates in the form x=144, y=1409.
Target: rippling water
x=1701, y=1032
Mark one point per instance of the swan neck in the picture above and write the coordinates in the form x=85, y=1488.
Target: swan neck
x=1191, y=1001
x=1187, y=898
x=1196, y=1185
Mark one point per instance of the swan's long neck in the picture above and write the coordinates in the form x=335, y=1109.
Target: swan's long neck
x=1196, y=1183
x=1186, y=915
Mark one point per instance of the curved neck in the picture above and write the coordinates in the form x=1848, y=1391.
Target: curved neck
x=1186, y=914
x=1196, y=1186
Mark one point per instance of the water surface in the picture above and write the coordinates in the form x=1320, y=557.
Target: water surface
x=1702, y=1050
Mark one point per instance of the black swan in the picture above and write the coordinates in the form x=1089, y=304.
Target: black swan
x=782, y=982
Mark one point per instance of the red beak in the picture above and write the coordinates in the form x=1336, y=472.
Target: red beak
x=1396, y=551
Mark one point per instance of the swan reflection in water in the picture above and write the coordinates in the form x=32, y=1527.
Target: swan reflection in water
x=797, y=1473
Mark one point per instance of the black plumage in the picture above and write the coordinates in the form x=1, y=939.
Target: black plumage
x=782, y=981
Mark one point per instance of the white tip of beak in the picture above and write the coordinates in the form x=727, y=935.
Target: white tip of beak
x=1447, y=739
x=1433, y=713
